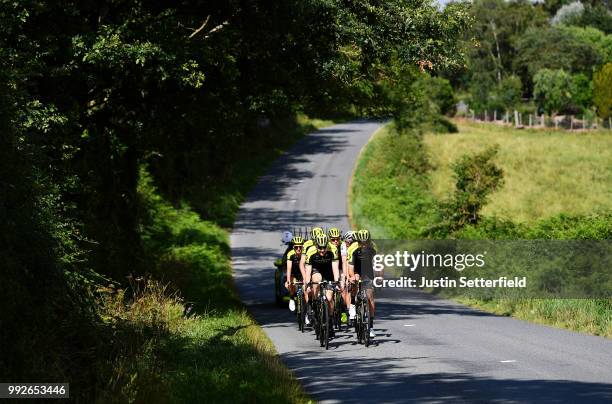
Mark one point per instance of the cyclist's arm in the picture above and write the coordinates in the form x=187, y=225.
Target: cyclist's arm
x=343, y=257
x=351, y=266
x=302, y=270
x=289, y=263
x=308, y=273
x=336, y=270
x=303, y=264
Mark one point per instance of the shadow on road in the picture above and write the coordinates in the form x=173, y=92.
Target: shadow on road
x=266, y=219
x=295, y=165
x=393, y=380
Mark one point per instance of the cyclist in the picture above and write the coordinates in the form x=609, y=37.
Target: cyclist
x=310, y=242
x=348, y=238
x=322, y=264
x=351, y=245
x=293, y=268
x=335, y=235
x=307, y=245
x=360, y=268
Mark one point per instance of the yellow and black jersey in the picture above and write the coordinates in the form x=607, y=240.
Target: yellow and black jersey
x=331, y=252
x=322, y=263
x=307, y=245
x=362, y=260
x=350, y=250
x=314, y=248
x=294, y=258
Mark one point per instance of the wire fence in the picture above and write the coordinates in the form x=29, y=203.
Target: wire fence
x=527, y=120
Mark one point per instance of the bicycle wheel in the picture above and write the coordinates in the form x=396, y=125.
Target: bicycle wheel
x=338, y=311
x=358, y=323
x=316, y=319
x=366, y=322
x=303, y=309
x=298, y=310
x=324, y=325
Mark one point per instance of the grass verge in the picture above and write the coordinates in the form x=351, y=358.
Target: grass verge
x=393, y=195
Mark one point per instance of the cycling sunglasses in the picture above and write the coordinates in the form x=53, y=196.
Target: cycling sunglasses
x=321, y=248
x=335, y=239
x=298, y=247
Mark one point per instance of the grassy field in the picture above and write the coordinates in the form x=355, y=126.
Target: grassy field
x=546, y=172
x=557, y=185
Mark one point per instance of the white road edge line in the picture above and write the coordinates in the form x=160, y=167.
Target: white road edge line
x=409, y=325
x=508, y=361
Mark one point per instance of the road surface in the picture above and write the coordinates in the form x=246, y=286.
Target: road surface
x=427, y=349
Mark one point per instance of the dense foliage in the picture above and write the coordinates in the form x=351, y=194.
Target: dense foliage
x=512, y=42
x=93, y=95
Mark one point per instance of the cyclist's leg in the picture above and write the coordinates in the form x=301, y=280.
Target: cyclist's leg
x=370, y=293
x=352, y=295
x=346, y=293
x=372, y=305
x=316, y=278
x=329, y=294
x=292, y=288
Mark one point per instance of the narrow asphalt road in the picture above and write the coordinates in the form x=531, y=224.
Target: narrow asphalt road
x=427, y=349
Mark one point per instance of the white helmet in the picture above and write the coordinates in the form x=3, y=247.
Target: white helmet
x=287, y=236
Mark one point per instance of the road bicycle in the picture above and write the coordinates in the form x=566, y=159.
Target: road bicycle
x=338, y=310
x=362, y=307
x=300, y=305
x=322, y=324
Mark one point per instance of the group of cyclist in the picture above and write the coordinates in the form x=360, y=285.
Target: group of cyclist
x=344, y=259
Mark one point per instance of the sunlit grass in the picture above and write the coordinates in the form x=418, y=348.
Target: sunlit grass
x=546, y=172
x=591, y=316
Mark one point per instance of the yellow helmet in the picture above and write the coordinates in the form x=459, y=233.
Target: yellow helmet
x=321, y=240
x=297, y=240
x=315, y=231
x=334, y=232
x=363, y=235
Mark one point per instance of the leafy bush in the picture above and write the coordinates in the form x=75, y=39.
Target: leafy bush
x=552, y=90
x=477, y=176
x=602, y=91
x=439, y=92
x=582, y=92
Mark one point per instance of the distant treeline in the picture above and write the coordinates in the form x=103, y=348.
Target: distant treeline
x=551, y=56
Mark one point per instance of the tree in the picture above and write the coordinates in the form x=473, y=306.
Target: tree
x=597, y=16
x=582, y=92
x=440, y=93
x=602, y=91
x=92, y=91
x=510, y=91
x=498, y=24
x=492, y=41
x=568, y=14
x=477, y=177
x=554, y=48
x=552, y=89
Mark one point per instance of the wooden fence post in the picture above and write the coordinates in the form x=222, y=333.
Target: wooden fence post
x=516, y=119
